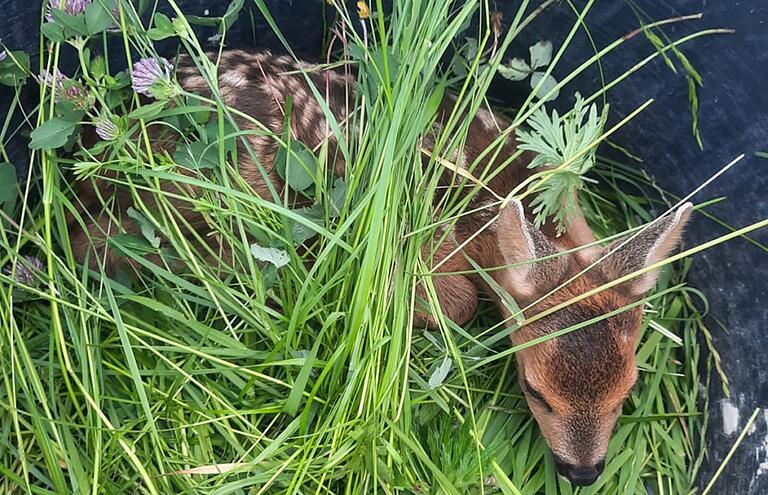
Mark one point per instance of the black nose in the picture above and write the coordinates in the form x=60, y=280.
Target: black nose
x=579, y=475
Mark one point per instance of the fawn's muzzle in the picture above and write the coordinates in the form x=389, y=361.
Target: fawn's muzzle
x=579, y=475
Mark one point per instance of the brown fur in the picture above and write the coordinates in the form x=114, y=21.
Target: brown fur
x=253, y=83
x=583, y=377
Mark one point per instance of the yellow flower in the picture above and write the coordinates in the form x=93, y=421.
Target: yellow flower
x=362, y=10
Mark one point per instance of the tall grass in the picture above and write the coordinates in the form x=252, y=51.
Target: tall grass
x=308, y=377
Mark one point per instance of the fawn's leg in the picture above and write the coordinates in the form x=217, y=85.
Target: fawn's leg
x=456, y=294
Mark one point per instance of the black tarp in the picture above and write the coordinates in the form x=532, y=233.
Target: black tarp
x=733, y=120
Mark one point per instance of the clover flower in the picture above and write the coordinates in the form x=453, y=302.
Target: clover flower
x=70, y=91
x=47, y=79
x=25, y=274
x=66, y=89
x=152, y=77
x=71, y=7
x=107, y=129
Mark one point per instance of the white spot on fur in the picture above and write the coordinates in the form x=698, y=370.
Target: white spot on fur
x=194, y=82
x=486, y=118
x=459, y=159
x=730, y=417
x=234, y=78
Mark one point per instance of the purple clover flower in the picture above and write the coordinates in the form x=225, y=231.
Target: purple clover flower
x=47, y=79
x=71, y=7
x=106, y=129
x=25, y=274
x=148, y=72
x=66, y=89
x=71, y=92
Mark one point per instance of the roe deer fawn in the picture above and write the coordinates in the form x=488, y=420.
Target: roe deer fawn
x=575, y=384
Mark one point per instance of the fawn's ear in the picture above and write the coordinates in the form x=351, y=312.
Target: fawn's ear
x=650, y=246
x=520, y=244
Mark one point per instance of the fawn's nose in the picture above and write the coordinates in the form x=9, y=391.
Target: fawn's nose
x=579, y=475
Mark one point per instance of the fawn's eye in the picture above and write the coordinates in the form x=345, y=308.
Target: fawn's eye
x=535, y=394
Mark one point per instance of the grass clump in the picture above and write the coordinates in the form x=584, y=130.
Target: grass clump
x=285, y=376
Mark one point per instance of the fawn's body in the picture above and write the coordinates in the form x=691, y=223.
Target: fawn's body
x=575, y=384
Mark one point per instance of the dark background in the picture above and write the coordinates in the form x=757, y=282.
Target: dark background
x=733, y=120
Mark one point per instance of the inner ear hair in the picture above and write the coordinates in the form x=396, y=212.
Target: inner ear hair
x=649, y=246
x=521, y=243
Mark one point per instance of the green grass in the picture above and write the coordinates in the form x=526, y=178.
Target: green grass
x=308, y=378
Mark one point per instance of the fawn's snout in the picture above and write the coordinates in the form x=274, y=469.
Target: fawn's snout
x=579, y=475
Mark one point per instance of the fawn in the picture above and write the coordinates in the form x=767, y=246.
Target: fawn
x=575, y=384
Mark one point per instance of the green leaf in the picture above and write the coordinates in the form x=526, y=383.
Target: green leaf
x=147, y=229
x=68, y=111
x=163, y=28
x=197, y=20
x=224, y=22
x=547, y=86
x=14, y=69
x=74, y=25
x=98, y=67
x=297, y=167
x=163, y=22
x=433, y=103
x=211, y=134
x=201, y=154
x=269, y=276
x=148, y=111
x=231, y=15
x=53, y=31
x=541, y=54
x=98, y=16
x=558, y=141
x=8, y=186
x=277, y=257
x=129, y=243
x=297, y=390
x=196, y=155
x=52, y=134
x=515, y=70
x=301, y=232
x=373, y=65
x=157, y=35
x=337, y=195
x=440, y=373
x=470, y=49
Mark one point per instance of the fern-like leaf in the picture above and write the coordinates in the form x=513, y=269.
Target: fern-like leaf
x=567, y=145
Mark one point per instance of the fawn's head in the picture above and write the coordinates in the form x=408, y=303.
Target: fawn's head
x=575, y=383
